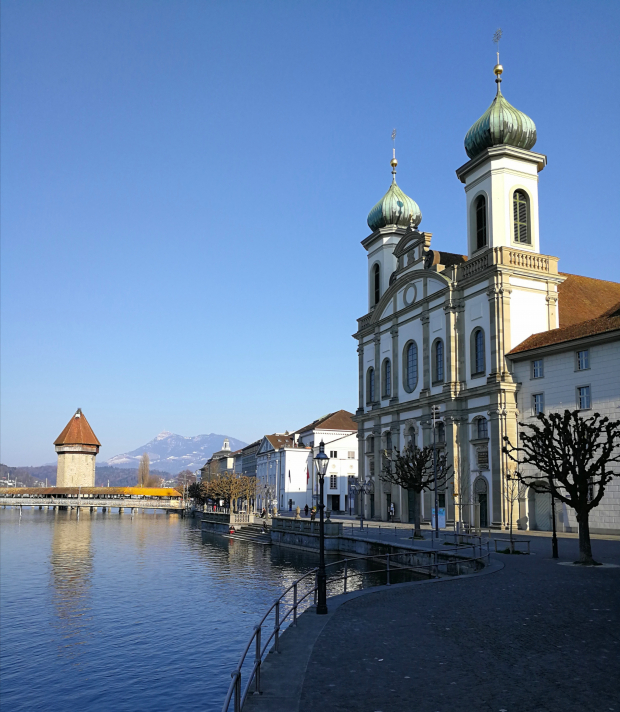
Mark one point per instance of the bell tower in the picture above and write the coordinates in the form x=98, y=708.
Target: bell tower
x=501, y=179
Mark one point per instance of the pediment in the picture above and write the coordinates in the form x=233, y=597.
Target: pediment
x=409, y=290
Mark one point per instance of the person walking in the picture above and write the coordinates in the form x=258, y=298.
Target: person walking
x=392, y=511
x=306, y=510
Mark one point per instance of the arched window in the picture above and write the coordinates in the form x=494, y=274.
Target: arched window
x=438, y=361
x=481, y=222
x=370, y=386
x=482, y=429
x=376, y=281
x=411, y=437
x=387, y=378
x=388, y=440
x=521, y=217
x=411, y=366
x=477, y=353
x=440, y=432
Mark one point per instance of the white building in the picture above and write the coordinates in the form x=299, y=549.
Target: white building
x=285, y=470
x=439, y=326
x=577, y=367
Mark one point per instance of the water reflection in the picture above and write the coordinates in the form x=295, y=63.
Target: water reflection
x=71, y=562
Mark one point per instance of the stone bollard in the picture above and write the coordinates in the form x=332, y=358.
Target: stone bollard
x=297, y=513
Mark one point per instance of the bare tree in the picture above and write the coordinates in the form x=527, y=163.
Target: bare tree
x=571, y=456
x=143, y=471
x=413, y=471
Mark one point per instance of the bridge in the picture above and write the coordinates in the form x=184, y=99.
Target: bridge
x=93, y=498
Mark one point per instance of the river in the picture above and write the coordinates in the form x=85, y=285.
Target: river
x=120, y=612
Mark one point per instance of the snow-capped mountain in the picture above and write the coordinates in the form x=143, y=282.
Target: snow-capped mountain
x=173, y=453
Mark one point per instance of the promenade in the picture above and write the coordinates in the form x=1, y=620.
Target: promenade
x=528, y=635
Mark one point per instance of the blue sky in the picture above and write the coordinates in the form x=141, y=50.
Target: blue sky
x=185, y=185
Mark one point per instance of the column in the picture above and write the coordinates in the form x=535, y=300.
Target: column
x=360, y=359
x=426, y=355
x=395, y=362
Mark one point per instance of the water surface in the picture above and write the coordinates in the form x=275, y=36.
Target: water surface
x=114, y=612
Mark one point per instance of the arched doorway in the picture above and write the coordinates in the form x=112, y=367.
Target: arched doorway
x=481, y=497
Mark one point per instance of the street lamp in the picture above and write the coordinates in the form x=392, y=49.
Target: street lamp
x=435, y=413
x=321, y=461
x=362, y=489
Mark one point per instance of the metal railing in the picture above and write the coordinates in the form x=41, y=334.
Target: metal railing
x=433, y=569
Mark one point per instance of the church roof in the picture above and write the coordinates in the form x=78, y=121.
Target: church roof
x=582, y=298
x=501, y=124
x=609, y=321
x=395, y=208
x=77, y=432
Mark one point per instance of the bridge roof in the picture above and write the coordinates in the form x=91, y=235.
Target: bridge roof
x=126, y=491
x=77, y=432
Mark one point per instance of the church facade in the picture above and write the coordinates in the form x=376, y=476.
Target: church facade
x=439, y=325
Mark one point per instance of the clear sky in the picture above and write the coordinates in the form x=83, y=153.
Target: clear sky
x=185, y=185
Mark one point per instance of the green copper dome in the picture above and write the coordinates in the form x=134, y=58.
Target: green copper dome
x=501, y=124
x=395, y=208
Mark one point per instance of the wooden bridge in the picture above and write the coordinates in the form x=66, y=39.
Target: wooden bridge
x=93, y=498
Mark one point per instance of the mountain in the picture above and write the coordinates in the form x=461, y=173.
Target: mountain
x=46, y=474
x=173, y=453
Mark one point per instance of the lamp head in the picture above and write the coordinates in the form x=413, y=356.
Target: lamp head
x=321, y=460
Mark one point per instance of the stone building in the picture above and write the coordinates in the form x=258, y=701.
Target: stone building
x=220, y=462
x=439, y=326
x=77, y=446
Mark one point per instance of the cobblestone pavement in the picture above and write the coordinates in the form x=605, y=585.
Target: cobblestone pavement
x=533, y=637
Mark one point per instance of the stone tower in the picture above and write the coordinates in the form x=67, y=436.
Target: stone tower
x=77, y=447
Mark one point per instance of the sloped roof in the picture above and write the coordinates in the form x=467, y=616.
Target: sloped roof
x=340, y=420
x=609, y=321
x=46, y=491
x=584, y=298
x=77, y=432
x=280, y=440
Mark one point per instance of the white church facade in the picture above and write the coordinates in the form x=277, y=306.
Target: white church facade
x=440, y=326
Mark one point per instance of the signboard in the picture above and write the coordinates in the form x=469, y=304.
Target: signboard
x=442, y=518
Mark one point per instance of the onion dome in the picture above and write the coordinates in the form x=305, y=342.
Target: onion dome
x=500, y=125
x=395, y=208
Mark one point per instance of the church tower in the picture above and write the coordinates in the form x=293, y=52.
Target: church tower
x=77, y=446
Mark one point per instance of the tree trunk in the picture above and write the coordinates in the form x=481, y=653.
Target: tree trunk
x=585, y=548
x=417, y=532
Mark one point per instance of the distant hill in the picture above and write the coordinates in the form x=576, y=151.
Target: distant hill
x=36, y=476
x=172, y=453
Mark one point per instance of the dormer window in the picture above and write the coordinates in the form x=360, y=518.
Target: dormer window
x=376, y=278
x=521, y=217
x=481, y=222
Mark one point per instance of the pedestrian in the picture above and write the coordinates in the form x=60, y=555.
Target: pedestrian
x=306, y=510
x=392, y=511
x=312, y=514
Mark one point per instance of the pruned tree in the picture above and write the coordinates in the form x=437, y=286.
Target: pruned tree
x=571, y=457
x=143, y=471
x=413, y=470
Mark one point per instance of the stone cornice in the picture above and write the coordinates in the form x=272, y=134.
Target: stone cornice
x=501, y=152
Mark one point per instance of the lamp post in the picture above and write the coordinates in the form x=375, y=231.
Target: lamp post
x=435, y=413
x=321, y=461
x=362, y=489
x=554, y=538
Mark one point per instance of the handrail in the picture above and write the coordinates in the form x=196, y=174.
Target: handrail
x=431, y=569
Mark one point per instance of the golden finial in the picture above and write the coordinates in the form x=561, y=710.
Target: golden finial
x=498, y=69
x=394, y=162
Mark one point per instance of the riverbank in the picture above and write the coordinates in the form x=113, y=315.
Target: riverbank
x=530, y=636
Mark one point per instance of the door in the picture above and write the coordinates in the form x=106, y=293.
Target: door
x=388, y=501
x=336, y=502
x=484, y=519
x=372, y=506
x=542, y=512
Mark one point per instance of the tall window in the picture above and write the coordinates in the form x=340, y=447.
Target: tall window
x=438, y=361
x=521, y=217
x=538, y=404
x=333, y=482
x=411, y=366
x=376, y=281
x=583, y=360
x=440, y=432
x=411, y=436
x=481, y=222
x=388, y=440
x=477, y=352
x=483, y=428
x=370, y=386
x=537, y=368
x=583, y=397
x=387, y=378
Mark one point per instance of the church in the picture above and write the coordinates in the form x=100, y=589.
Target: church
x=459, y=334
